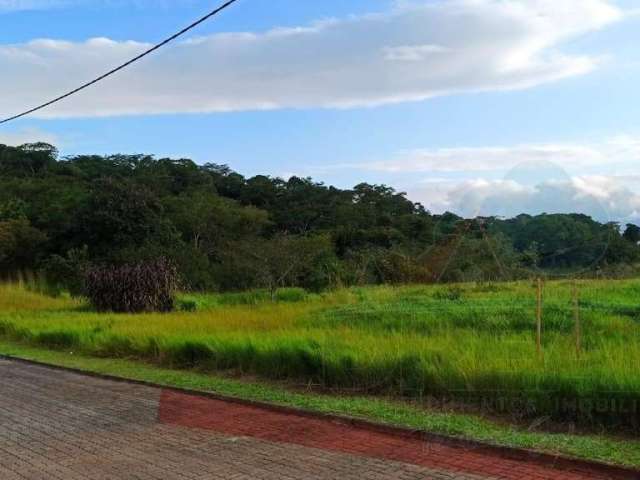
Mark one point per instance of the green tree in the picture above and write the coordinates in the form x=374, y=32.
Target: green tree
x=19, y=245
x=30, y=159
x=282, y=261
x=209, y=222
x=632, y=233
x=122, y=218
x=13, y=209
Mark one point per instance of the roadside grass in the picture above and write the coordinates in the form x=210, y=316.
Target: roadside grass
x=16, y=297
x=452, y=342
x=603, y=448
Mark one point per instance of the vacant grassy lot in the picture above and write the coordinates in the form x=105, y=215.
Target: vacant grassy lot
x=471, y=344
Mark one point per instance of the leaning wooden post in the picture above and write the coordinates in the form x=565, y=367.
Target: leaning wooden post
x=539, y=318
x=576, y=316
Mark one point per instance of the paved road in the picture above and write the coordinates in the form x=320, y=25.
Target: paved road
x=61, y=425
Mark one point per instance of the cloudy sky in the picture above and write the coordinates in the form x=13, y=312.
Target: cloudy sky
x=473, y=106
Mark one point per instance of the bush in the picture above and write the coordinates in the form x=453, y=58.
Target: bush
x=261, y=296
x=68, y=272
x=291, y=294
x=133, y=288
x=187, y=305
x=451, y=294
x=58, y=339
x=250, y=297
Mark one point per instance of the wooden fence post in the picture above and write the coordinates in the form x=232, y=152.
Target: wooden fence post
x=576, y=316
x=539, y=318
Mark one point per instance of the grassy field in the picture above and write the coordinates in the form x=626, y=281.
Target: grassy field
x=467, y=346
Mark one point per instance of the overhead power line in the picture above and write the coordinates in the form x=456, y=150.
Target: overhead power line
x=124, y=65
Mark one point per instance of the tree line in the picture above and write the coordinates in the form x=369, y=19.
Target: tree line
x=224, y=231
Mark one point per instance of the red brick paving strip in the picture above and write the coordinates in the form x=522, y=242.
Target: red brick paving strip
x=235, y=419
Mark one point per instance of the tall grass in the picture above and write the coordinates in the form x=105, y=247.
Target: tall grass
x=464, y=343
x=26, y=297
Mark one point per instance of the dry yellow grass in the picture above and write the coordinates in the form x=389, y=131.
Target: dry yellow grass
x=15, y=297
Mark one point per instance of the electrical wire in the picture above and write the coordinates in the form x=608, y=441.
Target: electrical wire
x=124, y=65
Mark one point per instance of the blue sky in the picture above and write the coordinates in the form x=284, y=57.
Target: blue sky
x=452, y=101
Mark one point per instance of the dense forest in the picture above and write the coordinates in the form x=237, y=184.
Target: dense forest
x=224, y=231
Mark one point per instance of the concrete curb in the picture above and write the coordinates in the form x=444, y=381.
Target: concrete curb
x=559, y=462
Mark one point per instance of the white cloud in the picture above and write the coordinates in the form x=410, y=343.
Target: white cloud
x=599, y=179
x=412, y=53
x=618, y=150
x=29, y=135
x=9, y=6
x=472, y=159
x=416, y=51
x=605, y=198
x=18, y=5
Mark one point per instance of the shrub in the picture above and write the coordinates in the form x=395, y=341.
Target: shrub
x=250, y=297
x=451, y=294
x=68, y=272
x=291, y=295
x=58, y=339
x=187, y=305
x=190, y=354
x=133, y=288
x=260, y=296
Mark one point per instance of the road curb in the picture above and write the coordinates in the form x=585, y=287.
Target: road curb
x=559, y=462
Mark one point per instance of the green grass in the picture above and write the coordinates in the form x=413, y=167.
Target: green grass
x=467, y=343
x=602, y=448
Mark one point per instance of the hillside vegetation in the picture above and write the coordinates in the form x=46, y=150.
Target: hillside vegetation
x=227, y=232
